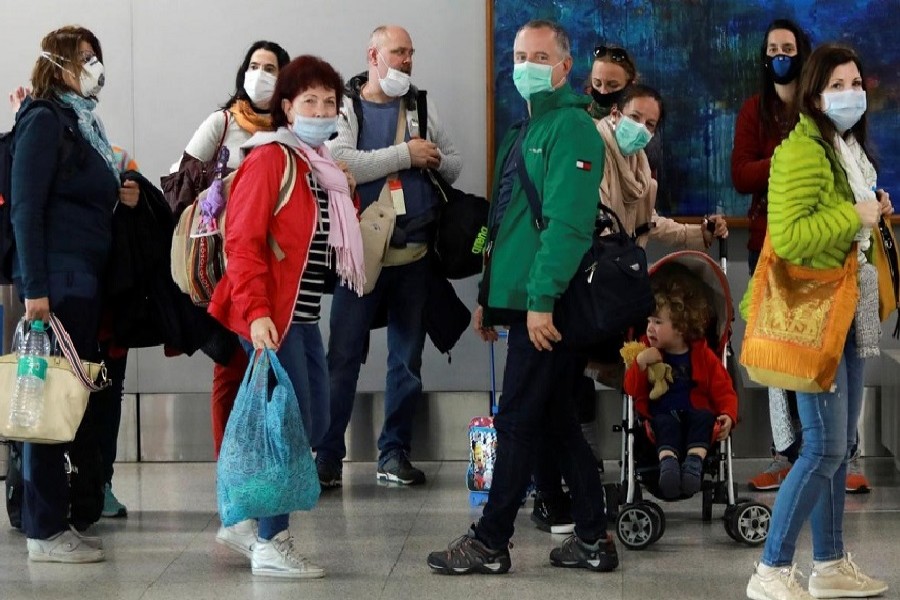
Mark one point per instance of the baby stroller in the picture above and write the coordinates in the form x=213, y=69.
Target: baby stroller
x=642, y=522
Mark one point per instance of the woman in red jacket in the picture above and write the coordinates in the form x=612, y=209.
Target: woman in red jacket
x=290, y=219
x=765, y=119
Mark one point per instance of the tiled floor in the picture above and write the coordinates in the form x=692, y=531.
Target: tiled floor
x=373, y=541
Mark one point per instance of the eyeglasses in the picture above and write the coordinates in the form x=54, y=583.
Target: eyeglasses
x=86, y=57
x=617, y=54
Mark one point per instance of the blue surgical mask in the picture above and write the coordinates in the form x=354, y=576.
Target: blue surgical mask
x=845, y=108
x=631, y=136
x=532, y=78
x=314, y=131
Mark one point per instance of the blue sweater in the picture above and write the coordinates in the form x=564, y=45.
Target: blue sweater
x=62, y=200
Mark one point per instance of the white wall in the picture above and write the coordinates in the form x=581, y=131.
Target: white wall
x=170, y=63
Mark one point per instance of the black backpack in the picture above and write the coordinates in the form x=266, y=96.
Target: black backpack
x=7, y=240
x=84, y=469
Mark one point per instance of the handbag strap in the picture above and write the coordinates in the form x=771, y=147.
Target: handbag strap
x=68, y=350
x=531, y=192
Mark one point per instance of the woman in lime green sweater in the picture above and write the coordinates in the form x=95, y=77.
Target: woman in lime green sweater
x=822, y=199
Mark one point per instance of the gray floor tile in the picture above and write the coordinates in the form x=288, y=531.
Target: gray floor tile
x=373, y=541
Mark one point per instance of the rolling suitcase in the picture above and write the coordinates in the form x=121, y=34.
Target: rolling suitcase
x=483, y=443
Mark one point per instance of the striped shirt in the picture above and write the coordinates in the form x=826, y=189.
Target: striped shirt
x=312, y=283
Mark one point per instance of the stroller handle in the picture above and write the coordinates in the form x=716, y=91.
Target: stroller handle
x=723, y=242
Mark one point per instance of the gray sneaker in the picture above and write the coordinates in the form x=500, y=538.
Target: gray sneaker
x=65, y=547
x=466, y=554
x=398, y=469
x=573, y=553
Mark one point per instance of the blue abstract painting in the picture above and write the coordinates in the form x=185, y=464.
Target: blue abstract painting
x=703, y=55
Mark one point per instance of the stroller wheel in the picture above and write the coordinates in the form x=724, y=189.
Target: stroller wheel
x=660, y=525
x=636, y=526
x=750, y=522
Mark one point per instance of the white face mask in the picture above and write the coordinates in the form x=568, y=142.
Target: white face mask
x=260, y=87
x=395, y=83
x=92, y=78
x=92, y=75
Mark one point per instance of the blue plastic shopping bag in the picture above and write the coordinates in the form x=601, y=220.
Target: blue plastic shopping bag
x=265, y=465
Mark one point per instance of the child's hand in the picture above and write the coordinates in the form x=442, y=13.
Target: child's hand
x=648, y=357
x=725, y=424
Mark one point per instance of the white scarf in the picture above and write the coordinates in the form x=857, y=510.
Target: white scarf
x=862, y=178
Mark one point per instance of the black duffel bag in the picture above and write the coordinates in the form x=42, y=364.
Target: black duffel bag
x=461, y=231
x=610, y=292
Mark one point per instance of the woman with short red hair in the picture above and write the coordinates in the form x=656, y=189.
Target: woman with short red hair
x=290, y=220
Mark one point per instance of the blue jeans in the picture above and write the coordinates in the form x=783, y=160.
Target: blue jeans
x=815, y=486
x=537, y=416
x=302, y=354
x=402, y=291
x=683, y=430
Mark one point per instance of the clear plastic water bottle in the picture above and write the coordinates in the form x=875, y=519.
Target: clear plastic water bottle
x=28, y=398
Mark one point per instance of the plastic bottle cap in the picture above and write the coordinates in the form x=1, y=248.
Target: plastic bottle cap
x=38, y=325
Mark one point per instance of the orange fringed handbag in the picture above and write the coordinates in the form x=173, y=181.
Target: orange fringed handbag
x=798, y=319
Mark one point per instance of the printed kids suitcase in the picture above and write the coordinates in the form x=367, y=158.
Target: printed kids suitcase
x=483, y=444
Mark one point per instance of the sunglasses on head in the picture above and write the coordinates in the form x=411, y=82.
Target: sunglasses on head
x=617, y=54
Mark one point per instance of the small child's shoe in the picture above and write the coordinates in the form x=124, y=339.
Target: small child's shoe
x=691, y=475
x=669, y=478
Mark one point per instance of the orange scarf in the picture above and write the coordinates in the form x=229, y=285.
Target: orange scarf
x=248, y=119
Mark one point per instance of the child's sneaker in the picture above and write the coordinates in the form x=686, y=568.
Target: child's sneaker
x=843, y=579
x=467, y=554
x=774, y=583
x=691, y=475
x=771, y=478
x=64, y=547
x=573, y=553
x=279, y=557
x=240, y=537
x=669, y=478
x=112, y=508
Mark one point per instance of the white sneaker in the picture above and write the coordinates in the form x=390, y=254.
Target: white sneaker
x=240, y=537
x=843, y=579
x=65, y=547
x=279, y=557
x=87, y=540
x=780, y=584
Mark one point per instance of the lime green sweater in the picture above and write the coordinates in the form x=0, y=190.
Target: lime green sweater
x=812, y=220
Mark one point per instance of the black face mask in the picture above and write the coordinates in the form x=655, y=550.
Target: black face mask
x=783, y=68
x=607, y=100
